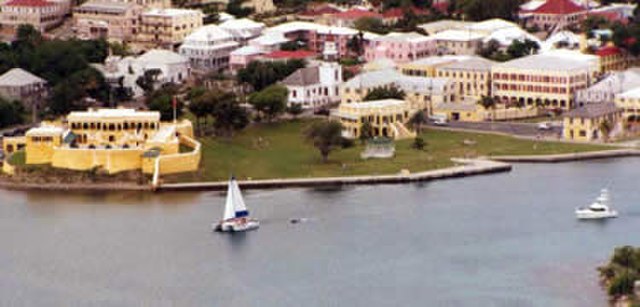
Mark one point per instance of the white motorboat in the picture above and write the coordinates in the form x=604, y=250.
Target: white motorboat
x=236, y=216
x=599, y=209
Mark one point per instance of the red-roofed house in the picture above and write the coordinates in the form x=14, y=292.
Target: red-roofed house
x=282, y=55
x=348, y=18
x=613, y=58
x=392, y=16
x=556, y=13
x=318, y=12
x=41, y=14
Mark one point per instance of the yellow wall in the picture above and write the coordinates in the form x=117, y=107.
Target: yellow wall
x=587, y=129
x=41, y=152
x=111, y=160
x=11, y=144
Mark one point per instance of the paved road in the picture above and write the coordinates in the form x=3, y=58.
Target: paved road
x=522, y=129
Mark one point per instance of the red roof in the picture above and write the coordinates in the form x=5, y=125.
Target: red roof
x=399, y=12
x=356, y=14
x=611, y=16
x=29, y=3
x=325, y=9
x=608, y=51
x=559, y=7
x=298, y=54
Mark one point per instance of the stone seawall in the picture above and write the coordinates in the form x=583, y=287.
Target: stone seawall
x=468, y=168
x=568, y=157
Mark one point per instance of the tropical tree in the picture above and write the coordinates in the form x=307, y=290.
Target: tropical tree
x=271, y=101
x=488, y=103
x=370, y=24
x=325, y=136
x=417, y=121
x=201, y=106
x=229, y=115
x=263, y=74
x=161, y=100
x=418, y=143
x=366, y=131
x=390, y=92
x=518, y=48
x=605, y=129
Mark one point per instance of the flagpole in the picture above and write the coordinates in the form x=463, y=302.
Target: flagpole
x=175, y=105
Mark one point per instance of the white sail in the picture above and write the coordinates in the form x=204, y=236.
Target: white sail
x=229, y=209
x=240, y=209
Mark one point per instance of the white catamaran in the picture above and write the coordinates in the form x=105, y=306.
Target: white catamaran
x=236, y=215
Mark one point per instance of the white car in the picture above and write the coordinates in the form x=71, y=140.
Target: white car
x=440, y=122
x=545, y=126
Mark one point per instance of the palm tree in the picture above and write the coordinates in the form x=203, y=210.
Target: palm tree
x=488, y=103
x=417, y=120
x=366, y=131
x=605, y=129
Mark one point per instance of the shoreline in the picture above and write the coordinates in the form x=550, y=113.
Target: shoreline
x=468, y=167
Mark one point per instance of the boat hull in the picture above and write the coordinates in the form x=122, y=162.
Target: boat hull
x=589, y=215
x=236, y=226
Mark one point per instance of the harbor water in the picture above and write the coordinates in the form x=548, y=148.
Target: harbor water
x=508, y=239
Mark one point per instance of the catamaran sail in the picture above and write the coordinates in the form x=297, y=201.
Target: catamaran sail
x=234, y=206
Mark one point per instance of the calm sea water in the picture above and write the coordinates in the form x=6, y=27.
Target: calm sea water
x=498, y=240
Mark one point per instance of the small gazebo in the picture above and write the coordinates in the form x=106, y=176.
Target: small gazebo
x=380, y=148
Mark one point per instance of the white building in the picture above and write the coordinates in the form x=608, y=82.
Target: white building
x=314, y=87
x=170, y=66
x=459, y=42
x=208, y=48
x=243, y=29
x=607, y=89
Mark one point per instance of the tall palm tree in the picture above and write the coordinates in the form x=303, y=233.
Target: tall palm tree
x=417, y=121
x=605, y=129
x=488, y=103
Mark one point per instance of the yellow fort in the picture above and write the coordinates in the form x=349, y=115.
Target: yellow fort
x=114, y=140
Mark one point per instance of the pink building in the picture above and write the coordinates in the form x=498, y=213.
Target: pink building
x=317, y=35
x=400, y=47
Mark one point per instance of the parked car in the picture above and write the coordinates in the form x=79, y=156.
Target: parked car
x=545, y=126
x=440, y=122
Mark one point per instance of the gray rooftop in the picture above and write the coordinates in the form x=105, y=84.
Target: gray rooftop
x=471, y=63
x=545, y=62
x=19, y=77
x=303, y=77
x=105, y=6
x=390, y=76
x=592, y=110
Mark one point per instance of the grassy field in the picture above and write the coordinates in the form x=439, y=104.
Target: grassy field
x=279, y=151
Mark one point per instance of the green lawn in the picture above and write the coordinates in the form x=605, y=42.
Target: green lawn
x=279, y=151
x=17, y=158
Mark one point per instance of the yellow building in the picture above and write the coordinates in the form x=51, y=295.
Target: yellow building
x=421, y=93
x=387, y=118
x=114, y=140
x=585, y=123
x=629, y=102
x=471, y=75
x=167, y=28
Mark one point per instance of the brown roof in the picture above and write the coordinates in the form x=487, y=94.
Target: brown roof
x=303, y=76
x=592, y=110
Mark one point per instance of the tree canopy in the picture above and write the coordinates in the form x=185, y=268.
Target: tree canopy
x=271, y=101
x=262, y=74
x=378, y=93
x=325, y=136
x=63, y=63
